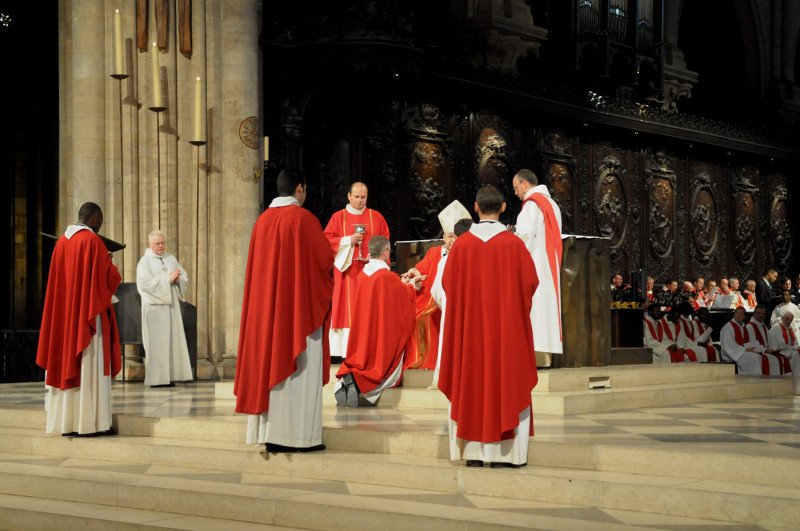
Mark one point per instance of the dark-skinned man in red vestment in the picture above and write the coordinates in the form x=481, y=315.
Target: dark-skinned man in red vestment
x=348, y=232
x=79, y=340
x=383, y=320
x=282, y=364
x=488, y=367
x=423, y=348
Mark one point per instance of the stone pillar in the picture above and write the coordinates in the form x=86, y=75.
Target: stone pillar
x=678, y=79
x=239, y=100
x=86, y=79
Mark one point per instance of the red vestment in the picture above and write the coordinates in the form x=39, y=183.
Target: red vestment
x=342, y=224
x=79, y=288
x=382, y=323
x=287, y=295
x=423, y=347
x=488, y=366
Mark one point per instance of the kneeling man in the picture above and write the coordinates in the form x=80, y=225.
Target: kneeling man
x=382, y=324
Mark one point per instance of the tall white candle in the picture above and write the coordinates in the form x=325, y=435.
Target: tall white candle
x=198, y=110
x=156, y=76
x=119, y=67
x=266, y=148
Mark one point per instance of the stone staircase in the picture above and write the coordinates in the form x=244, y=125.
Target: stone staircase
x=191, y=471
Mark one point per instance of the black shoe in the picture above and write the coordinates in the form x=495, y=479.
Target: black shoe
x=70, y=434
x=108, y=433
x=352, y=390
x=281, y=449
x=341, y=396
x=506, y=465
x=317, y=448
x=474, y=463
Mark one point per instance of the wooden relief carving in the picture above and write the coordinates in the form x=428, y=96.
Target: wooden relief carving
x=661, y=196
x=744, y=198
x=610, y=204
x=493, y=164
x=779, y=226
x=703, y=217
x=427, y=185
x=559, y=175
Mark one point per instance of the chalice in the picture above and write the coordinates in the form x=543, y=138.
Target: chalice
x=361, y=229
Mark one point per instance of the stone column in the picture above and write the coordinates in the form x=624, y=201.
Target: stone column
x=86, y=79
x=239, y=98
x=678, y=79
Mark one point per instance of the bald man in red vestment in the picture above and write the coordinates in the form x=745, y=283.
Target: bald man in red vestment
x=348, y=232
x=488, y=367
x=79, y=340
x=282, y=366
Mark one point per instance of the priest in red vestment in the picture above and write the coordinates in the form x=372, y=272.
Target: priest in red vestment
x=488, y=367
x=349, y=231
x=539, y=226
x=423, y=348
x=282, y=366
x=383, y=320
x=79, y=340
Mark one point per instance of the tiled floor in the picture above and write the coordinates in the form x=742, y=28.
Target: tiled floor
x=765, y=426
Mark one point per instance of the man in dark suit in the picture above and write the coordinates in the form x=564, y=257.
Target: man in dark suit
x=764, y=292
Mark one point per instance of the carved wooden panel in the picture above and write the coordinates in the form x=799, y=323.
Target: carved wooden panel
x=779, y=227
x=744, y=221
x=660, y=179
x=559, y=175
x=704, y=219
x=610, y=202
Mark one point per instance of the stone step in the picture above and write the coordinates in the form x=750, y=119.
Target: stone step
x=26, y=513
x=577, y=379
x=266, y=488
x=618, y=398
x=656, y=385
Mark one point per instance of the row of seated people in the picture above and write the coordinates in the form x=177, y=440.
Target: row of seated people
x=725, y=295
x=684, y=335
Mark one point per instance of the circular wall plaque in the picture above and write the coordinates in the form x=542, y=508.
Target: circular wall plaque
x=248, y=132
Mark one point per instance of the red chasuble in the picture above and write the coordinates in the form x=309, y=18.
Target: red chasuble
x=423, y=347
x=382, y=323
x=342, y=224
x=488, y=367
x=81, y=282
x=287, y=295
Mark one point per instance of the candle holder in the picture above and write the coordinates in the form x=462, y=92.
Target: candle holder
x=119, y=78
x=197, y=144
x=158, y=111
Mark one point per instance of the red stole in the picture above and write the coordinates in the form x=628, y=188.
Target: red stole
x=552, y=235
x=756, y=330
x=741, y=336
x=788, y=334
x=656, y=332
x=740, y=333
x=688, y=329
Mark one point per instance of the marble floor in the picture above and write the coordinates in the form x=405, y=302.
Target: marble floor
x=765, y=427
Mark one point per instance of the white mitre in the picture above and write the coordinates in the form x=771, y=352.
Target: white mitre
x=452, y=214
